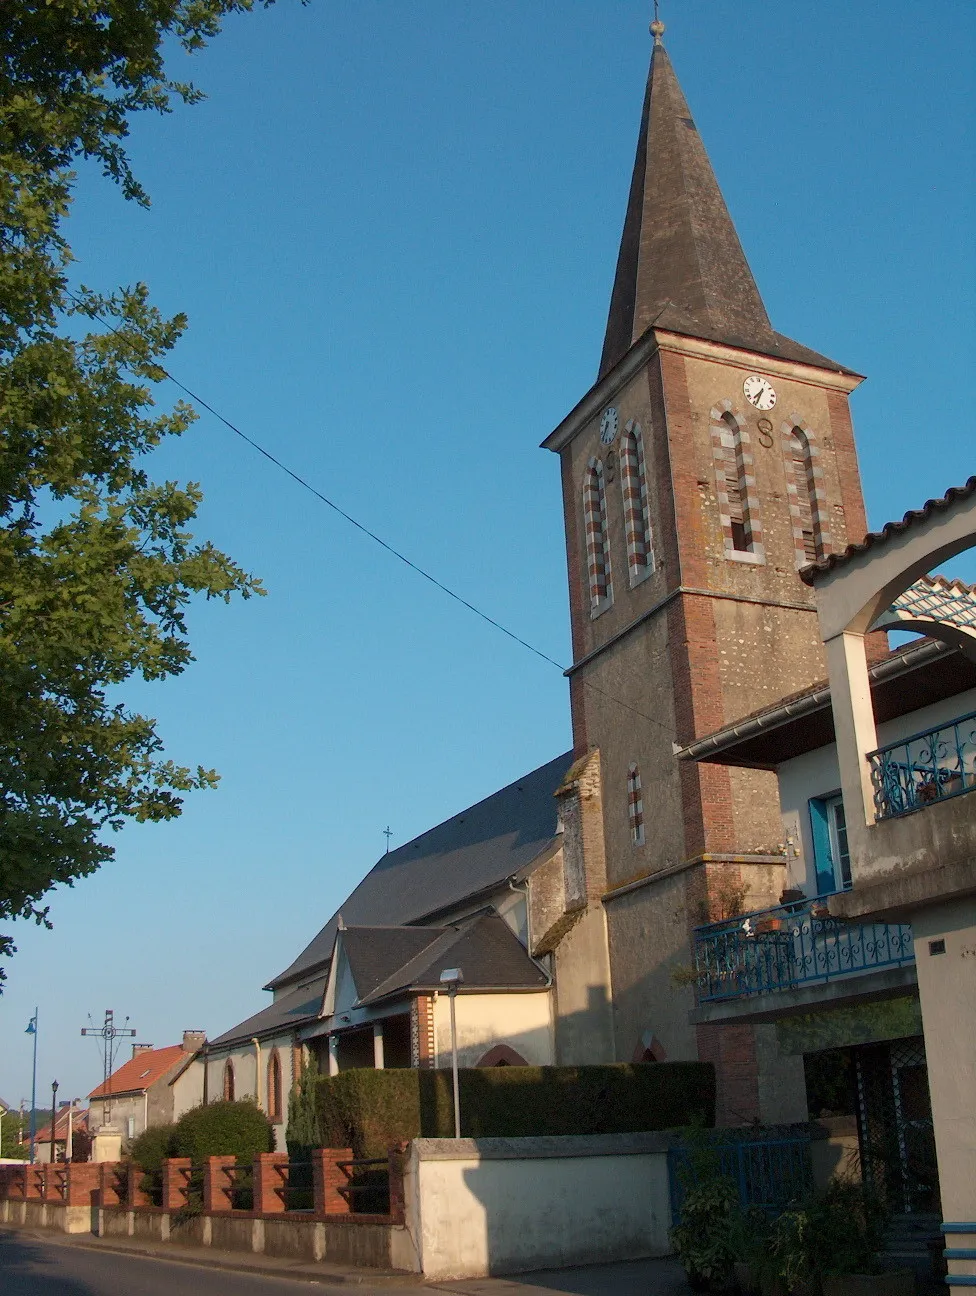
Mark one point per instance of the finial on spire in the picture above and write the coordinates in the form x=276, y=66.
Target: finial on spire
x=657, y=27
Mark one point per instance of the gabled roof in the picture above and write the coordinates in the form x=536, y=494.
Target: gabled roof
x=141, y=1072
x=463, y=857
x=80, y=1122
x=483, y=946
x=289, y=1011
x=681, y=266
x=913, y=518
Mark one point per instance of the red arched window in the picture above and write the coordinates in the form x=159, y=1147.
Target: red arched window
x=597, y=536
x=274, y=1088
x=228, y=1081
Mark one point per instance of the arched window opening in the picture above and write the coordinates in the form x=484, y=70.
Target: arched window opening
x=732, y=480
x=274, y=1088
x=637, y=522
x=597, y=536
x=806, y=528
x=635, y=806
x=228, y=1081
x=502, y=1055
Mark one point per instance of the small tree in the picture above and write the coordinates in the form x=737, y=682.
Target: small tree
x=239, y=1129
x=304, y=1122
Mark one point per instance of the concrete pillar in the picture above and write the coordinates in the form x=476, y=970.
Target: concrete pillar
x=378, y=1045
x=850, y=695
x=333, y=1055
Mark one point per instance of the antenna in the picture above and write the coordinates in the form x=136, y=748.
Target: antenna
x=110, y=1035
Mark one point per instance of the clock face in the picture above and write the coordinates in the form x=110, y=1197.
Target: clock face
x=608, y=425
x=759, y=392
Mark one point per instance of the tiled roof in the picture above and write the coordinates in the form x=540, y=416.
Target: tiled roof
x=462, y=857
x=914, y=517
x=80, y=1122
x=142, y=1071
x=286, y=1013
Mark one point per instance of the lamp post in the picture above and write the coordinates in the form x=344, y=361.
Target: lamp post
x=54, y=1117
x=451, y=978
x=32, y=1030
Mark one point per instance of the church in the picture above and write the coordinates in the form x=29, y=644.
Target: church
x=711, y=461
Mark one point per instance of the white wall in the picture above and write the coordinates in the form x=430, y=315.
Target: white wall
x=522, y=1021
x=243, y=1056
x=816, y=773
x=481, y=1206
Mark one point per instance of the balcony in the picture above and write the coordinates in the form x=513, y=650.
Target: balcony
x=927, y=767
x=774, y=951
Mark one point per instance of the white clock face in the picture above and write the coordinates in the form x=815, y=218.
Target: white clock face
x=759, y=392
x=608, y=425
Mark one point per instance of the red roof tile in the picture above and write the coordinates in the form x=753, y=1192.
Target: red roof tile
x=43, y=1135
x=142, y=1071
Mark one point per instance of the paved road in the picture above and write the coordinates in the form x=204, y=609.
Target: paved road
x=31, y=1265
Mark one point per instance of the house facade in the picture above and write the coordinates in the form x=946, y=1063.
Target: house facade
x=154, y=1087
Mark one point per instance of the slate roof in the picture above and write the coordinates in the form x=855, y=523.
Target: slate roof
x=465, y=856
x=681, y=265
x=290, y=1010
x=142, y=1071
x=484, y=946
x=914, y=517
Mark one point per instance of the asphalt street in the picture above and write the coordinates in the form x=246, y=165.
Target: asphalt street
x=33, y=1266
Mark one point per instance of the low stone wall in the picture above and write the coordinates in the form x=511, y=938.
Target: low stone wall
x=487, y=1206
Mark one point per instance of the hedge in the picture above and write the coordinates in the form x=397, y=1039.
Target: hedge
x=368, y=1110
x=238, y=1129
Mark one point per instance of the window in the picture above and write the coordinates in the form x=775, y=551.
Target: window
x=597, y=538
x=130, y=1127
x=807, y=518
x=830, y=849
x=274, y=1088
x=633, y=484
x=739, y=522
x=228, y=1081
x=635, y=806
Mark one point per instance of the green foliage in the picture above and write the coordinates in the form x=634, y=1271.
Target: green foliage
x=10, y=1144
x=150, y=1148
x=239, y=1129
x=368, y=1110
x=705, y=1239
x=304, y=1125
x=97, y=565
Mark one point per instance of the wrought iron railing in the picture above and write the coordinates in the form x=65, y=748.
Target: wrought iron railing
x=770, y=1174
x=792, y=945
x=927, y=767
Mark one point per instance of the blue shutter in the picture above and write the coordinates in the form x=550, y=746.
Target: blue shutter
x=823, y=858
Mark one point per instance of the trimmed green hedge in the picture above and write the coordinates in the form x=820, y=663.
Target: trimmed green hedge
x=237, y=1129
x=368, y=1110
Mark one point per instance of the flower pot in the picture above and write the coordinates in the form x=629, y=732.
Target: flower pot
x=898, y=1282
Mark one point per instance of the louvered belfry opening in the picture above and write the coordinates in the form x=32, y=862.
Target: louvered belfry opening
x=734, y=473
x=803, y=477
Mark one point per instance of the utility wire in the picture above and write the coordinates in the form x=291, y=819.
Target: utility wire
x=347, y=517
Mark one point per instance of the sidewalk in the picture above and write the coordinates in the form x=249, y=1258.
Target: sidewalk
x=630, y=1278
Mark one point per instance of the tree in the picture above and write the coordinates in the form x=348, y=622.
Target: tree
x=96, y=563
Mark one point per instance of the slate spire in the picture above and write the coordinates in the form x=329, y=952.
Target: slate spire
x=680, y=263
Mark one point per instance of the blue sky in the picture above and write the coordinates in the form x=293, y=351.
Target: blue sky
x=394, y=230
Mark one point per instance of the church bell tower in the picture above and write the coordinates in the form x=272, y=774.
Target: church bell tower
x=711, y=460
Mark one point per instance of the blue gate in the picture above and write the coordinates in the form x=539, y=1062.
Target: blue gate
x=769, y=1173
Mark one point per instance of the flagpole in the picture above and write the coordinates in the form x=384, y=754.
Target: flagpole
x=33, y=1119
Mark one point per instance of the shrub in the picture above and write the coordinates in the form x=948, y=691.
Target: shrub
x=238, y=1129
x=152, y=1146
x=368, y=1110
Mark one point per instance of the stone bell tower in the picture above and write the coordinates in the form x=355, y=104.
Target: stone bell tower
x=711, y=460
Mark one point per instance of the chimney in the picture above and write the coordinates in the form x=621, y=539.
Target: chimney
x=140, y=1048
x=193, y=1040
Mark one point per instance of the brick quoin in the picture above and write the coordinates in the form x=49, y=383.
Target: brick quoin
x=689, y=566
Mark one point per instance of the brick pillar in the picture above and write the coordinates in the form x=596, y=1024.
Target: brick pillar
x=108, y=1182
x=34, y=1180
x=15, y=1182
x=270, y=1174
x=134, y=1195
x=398, y=1163
x=328, y=1179
x=216, y=1184
x=732, y=1051
x=176, y=1175
x=82, y=1182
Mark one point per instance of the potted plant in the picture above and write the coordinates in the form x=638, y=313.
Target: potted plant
x=848, y=1221
x=703, y=1238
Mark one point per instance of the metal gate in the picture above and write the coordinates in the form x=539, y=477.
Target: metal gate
x=769, y=1173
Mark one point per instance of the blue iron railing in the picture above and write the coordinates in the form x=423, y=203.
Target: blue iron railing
x=792, y=945
x=927, y=767
x=769, y=1173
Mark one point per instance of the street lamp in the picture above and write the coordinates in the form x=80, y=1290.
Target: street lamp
x=451, y=978
x=54, y=1118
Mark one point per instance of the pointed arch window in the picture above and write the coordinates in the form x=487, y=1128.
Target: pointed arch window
x=274, y=1088
x=597, y=537
x=228, y=1081
x=637, y=522
x=635, y=806
x=734, y=486
x=807, y=522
